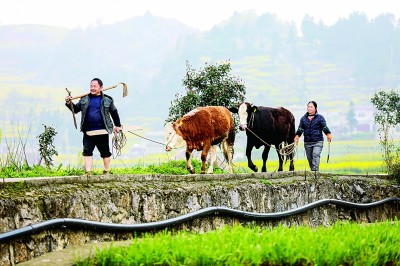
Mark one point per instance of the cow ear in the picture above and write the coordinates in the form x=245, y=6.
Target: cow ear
x=233, y=110
x=255, y=109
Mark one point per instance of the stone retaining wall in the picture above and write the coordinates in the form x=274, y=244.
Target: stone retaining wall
x=134, y=199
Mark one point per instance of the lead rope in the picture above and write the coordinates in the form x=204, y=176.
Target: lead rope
x=283, y=150
x=146, y=138
x=287, y=150
x=154, y=140
x=118, y=142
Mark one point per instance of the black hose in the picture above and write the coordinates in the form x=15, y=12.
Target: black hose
x=70, y=223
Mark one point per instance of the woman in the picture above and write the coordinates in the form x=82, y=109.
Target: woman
x=312, y=125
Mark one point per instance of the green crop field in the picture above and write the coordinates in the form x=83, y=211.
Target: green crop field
x=344, y=243
x=345, y=157
x=361, y=157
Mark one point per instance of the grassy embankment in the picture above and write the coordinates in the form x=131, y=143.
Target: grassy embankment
x=346, y=157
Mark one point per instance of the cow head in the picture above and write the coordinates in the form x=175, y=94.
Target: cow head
x=244, y=110
x=172, y=138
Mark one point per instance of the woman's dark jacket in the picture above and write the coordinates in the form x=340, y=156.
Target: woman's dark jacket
x=313, y=129
x=107, y=109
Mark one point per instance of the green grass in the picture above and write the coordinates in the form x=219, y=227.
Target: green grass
x=173, y=167
x=346, y=157
x=344, y=243
x=338, y=165
x=38, y=171
x=178, y=167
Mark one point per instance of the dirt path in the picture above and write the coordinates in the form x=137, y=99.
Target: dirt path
x=67, y=256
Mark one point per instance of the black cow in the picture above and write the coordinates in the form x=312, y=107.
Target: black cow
x=266, y=126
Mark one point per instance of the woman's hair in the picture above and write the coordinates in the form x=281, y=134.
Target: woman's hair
x=313, y=103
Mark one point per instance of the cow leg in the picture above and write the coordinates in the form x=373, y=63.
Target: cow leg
x=204, y=154
x=188, y=161
x=228, y=154
x=291, y=167
x=280, y=168
x=265, y=158
x=230, y=158
x=213, y=157
x=250, y=163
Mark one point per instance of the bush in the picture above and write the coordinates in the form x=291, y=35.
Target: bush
x=211, y=86
x=387, y=117
x=46, y=146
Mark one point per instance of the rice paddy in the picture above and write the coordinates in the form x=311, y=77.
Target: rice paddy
x=344, y=243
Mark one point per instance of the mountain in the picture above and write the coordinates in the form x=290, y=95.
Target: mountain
x=338, y=66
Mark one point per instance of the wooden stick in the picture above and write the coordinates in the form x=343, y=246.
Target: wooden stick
x=125, y=91
x=72, y=108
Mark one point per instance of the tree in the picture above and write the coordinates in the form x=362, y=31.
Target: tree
x=351, y=117
x=213, y=85
x=387, y=117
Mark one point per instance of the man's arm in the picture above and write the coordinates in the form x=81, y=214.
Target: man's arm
x=116, y=120
x=68, y=103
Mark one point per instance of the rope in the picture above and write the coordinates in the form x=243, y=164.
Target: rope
x=287, y=150
x=146, y=138
x=118, y=142
x=283, y=150
x=153, y=140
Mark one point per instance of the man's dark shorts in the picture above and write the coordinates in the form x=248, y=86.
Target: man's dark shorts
x=99, y=141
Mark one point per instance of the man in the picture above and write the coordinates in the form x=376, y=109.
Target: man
x=96, y=124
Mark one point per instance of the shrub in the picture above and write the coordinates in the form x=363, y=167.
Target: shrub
x=46, y=147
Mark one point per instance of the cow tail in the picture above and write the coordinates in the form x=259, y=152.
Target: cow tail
x=292, y=133
x=227, y=145
x=289, y=140
x=225, y=150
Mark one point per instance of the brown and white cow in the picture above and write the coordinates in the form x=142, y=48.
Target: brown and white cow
x=202, y=129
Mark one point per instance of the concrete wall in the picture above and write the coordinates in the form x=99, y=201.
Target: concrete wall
x=137, y=199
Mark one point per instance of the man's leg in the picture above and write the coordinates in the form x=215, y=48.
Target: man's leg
x=104, y=149
x=106, y=162
x=88, y=163
x=88, y=147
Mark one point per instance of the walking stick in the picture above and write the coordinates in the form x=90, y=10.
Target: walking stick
x=329, y=151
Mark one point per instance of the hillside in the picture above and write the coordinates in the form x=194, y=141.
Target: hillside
x=336, y=66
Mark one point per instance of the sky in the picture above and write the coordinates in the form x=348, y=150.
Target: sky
x=199, y=14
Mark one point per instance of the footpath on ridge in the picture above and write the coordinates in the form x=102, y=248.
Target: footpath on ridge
x=67, y=256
